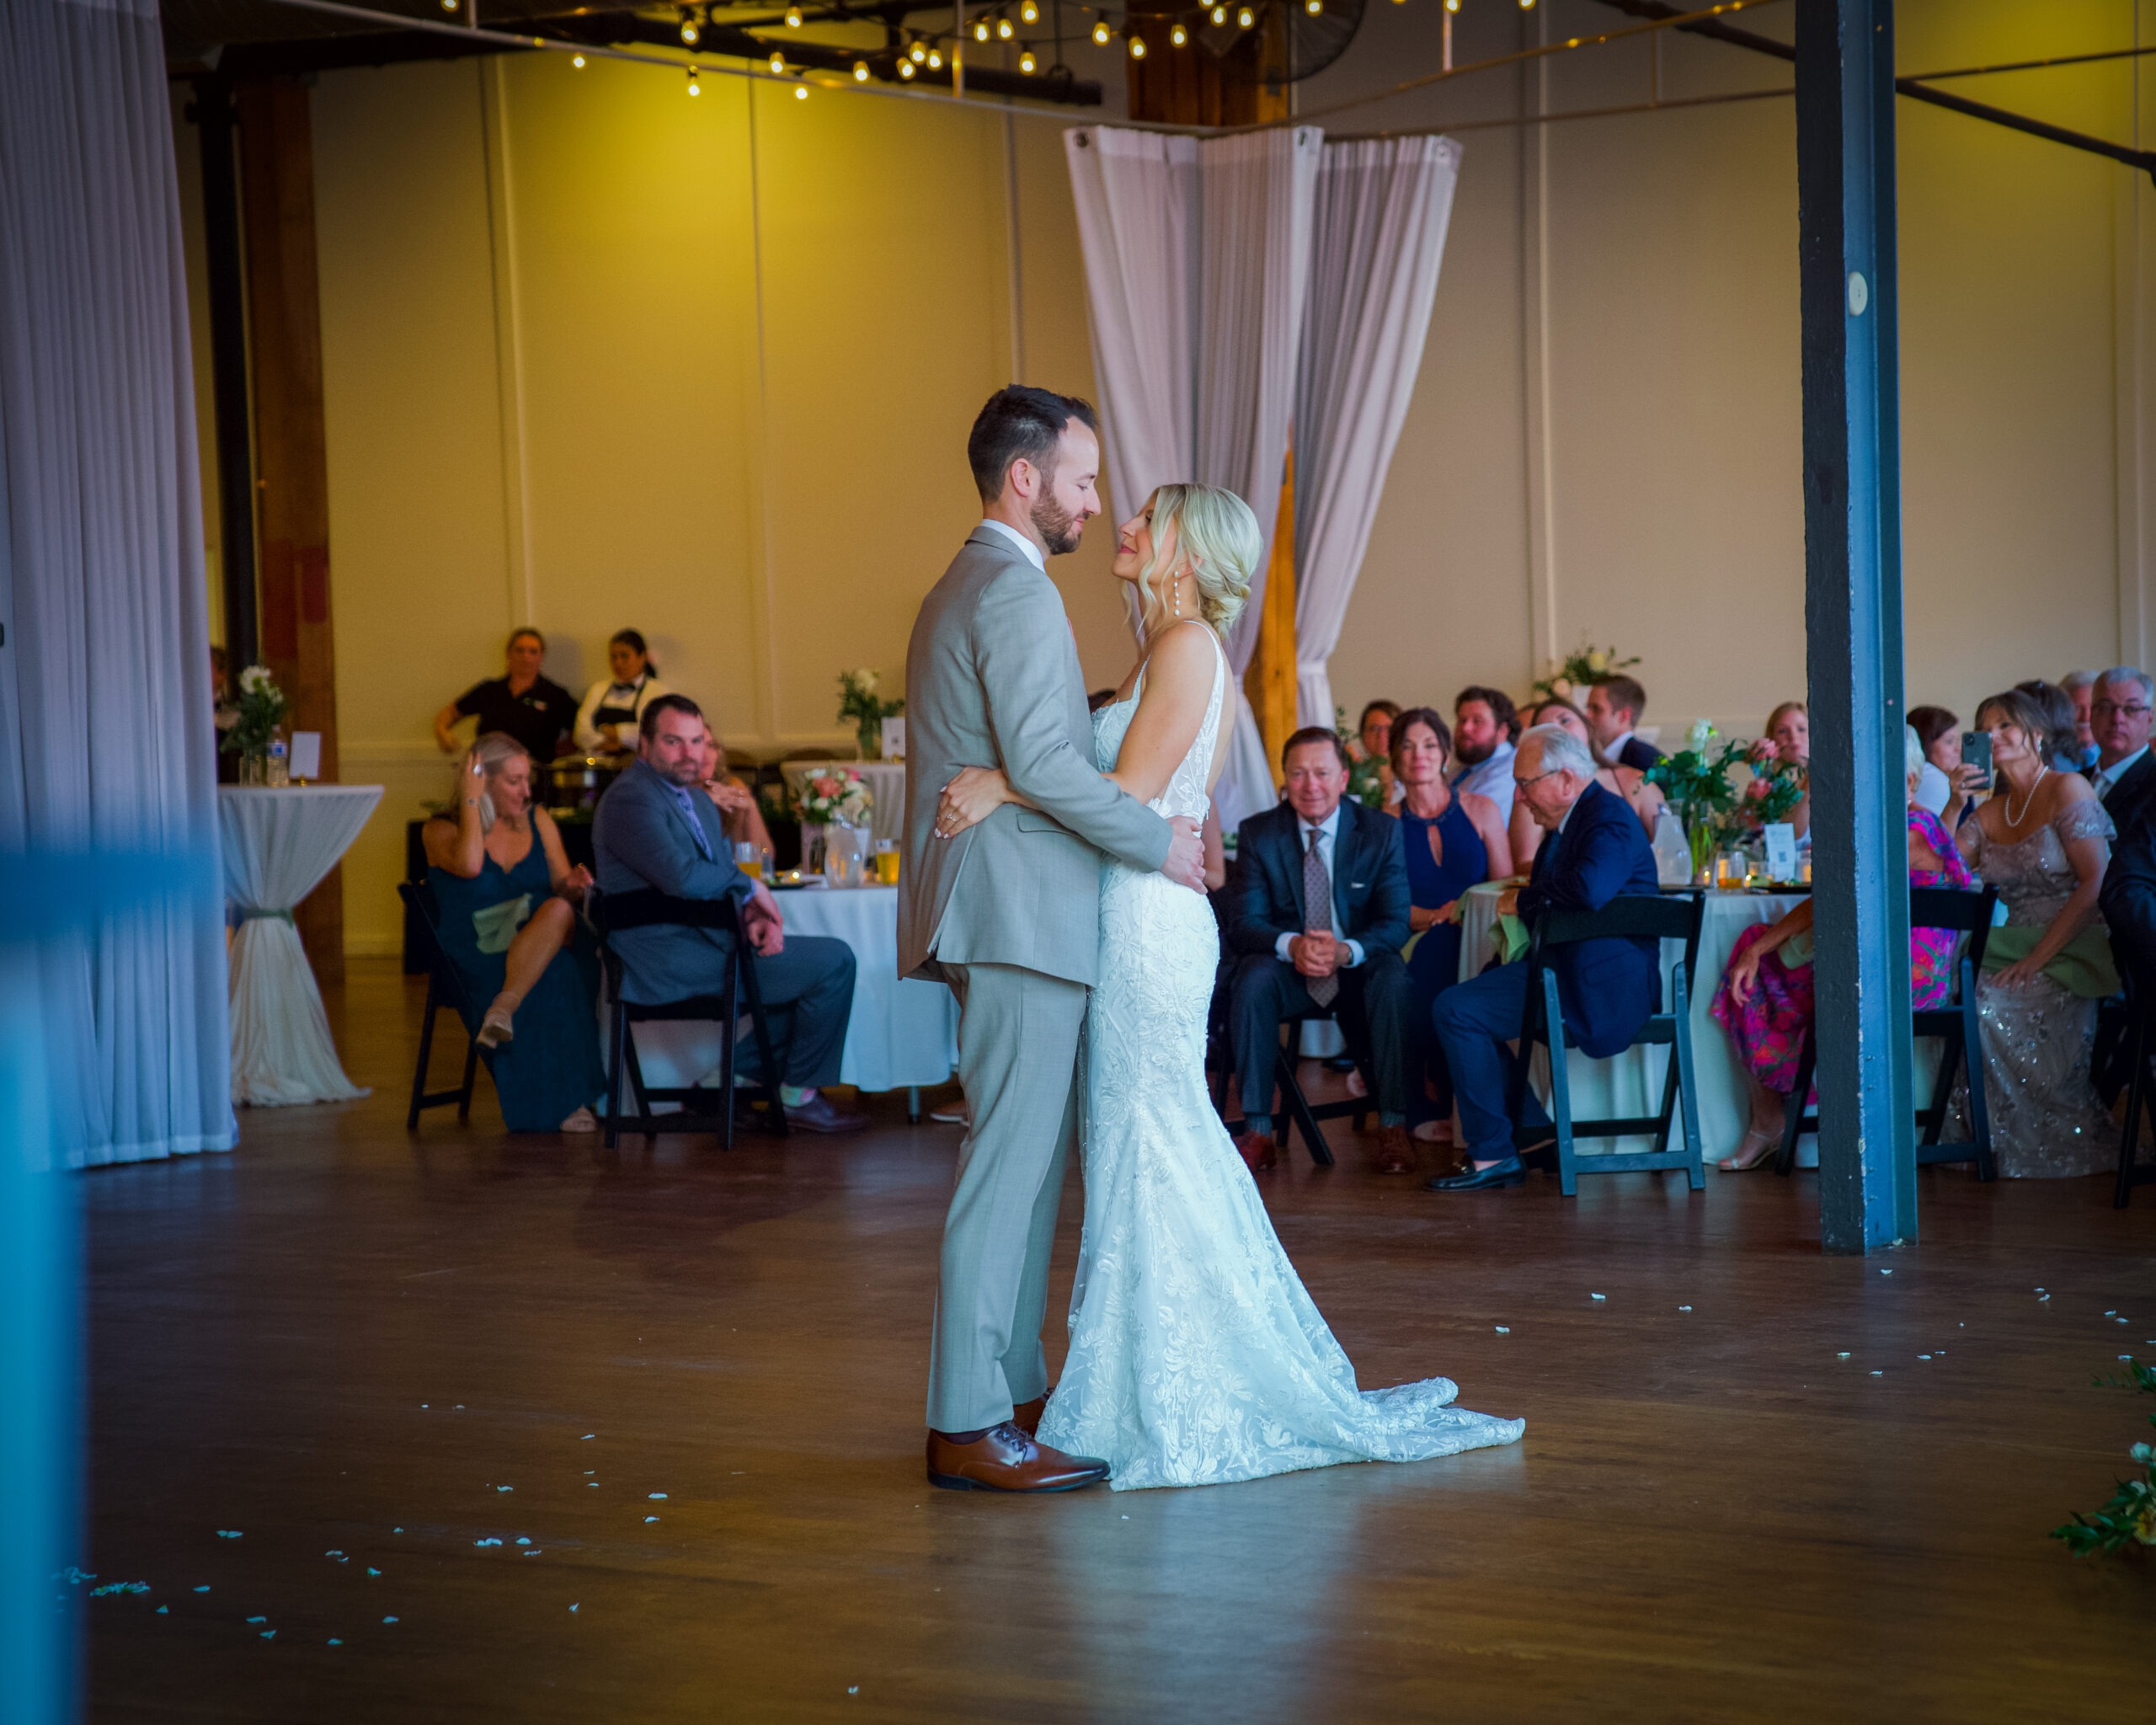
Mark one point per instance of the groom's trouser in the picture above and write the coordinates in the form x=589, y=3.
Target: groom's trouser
x=1018, y=1066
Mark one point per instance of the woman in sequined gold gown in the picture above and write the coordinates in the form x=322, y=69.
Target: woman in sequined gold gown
x=2043, y=839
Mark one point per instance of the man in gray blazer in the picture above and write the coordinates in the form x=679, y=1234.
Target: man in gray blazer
x=657, y=828
x=1008, y=914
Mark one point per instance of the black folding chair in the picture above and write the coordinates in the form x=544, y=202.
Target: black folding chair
x=648, y=908
x=2140, y=1037
x=445, y=988
x=1672, y=916
x=1954, y=1025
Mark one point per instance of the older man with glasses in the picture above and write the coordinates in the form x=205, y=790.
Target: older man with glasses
x=2124, y=776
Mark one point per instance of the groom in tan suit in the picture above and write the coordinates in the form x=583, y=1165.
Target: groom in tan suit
x=1008, y=914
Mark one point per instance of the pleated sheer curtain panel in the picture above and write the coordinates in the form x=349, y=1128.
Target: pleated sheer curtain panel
x=1381, y=212
x=1197, y=255
x=105, y=739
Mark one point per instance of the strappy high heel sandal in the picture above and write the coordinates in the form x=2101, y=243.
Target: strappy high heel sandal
x=1756, y=1152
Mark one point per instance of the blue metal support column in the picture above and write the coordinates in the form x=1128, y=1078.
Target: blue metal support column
x=1852, y=620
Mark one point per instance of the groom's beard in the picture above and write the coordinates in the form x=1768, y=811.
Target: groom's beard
x=1058, y=529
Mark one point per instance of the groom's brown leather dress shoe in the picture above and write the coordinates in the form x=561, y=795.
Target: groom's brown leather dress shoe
x=1005, y=1459
x=1258, y=1151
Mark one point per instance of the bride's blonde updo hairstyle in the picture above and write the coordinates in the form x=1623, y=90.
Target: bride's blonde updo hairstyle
x=1217, y=535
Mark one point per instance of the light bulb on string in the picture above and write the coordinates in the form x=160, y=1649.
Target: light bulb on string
x=688, y=31
x=861, y=72
x=1526, y=5
x=694, y=88
x=934, y=60
x=1245, y=18
x=577, y=61
x=794, y=18
x=449, y=5
x=1178, y=35
x=1027, y=63
x=1219, y=14
x=1030, y=13
x=1101, y=35
x=981, y=31
x=801, y=93
x=917, y=54
x=1138, y=47
x=906, y=68
x=1452, y=5
x=1003, y=28
x=1314, y=7
x=778, y=64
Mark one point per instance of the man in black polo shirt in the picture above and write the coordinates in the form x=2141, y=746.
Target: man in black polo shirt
x=538, y=713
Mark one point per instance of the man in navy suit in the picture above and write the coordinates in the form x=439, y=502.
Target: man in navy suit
x=1614, y=706
x=1319, y=920
x=657, y=827
x=1606, y=989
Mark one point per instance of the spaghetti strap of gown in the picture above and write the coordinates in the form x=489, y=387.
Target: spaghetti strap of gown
x=1196, y=1356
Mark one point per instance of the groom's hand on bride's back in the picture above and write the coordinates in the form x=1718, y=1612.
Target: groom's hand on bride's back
x=1186, y=863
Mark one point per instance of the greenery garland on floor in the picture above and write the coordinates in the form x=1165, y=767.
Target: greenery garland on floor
x=2129, y=1518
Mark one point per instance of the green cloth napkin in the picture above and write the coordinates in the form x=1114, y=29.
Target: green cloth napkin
x=497, y=924
x=2083, y=967
x=1509, y=939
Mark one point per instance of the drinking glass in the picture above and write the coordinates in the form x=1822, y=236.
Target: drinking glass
x=748, y=859
x=887, y=862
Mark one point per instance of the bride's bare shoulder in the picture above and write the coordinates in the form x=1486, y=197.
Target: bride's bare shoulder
x=1182, y=658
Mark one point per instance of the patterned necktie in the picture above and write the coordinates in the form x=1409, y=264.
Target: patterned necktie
x=1317, y=917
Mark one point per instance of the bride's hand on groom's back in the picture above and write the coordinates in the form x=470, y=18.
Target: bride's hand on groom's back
x=976, y=793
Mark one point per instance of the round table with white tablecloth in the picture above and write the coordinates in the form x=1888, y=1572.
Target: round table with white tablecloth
x=1630, y=1083
x=278, y=844
x=886, y=780
x=904, y=1033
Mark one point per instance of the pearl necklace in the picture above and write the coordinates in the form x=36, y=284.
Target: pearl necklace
x=2027, y=805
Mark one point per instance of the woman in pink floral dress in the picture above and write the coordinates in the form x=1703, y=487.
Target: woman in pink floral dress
x=1765, y=1001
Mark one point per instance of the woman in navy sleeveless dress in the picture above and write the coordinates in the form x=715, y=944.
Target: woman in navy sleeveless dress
x=1454, y=840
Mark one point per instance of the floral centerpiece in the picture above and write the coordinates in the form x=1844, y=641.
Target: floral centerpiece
x=261, y=708
x=1582, y=665
x=1699, y=783
x=835, y=798
x=858, y=702
x=2129, y=1520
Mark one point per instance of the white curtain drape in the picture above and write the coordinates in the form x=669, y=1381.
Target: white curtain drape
x=1196, y=257
x=1381, y=210
x=105, y=744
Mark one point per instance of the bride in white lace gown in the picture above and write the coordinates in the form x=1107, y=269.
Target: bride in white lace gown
x=1196, y=1357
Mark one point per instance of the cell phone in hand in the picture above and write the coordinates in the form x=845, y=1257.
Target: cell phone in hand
x=1976, y=751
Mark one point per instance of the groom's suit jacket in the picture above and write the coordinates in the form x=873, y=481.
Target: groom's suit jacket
x=992, y=679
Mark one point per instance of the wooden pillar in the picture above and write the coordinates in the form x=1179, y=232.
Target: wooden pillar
x=291, y=468
x=1848, y=296
x=1270, y=682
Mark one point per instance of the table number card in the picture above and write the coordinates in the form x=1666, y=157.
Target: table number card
x=894, y=738
x=307, y=755
x=1781, y=851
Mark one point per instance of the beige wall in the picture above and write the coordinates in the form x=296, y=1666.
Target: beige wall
x=598, y=354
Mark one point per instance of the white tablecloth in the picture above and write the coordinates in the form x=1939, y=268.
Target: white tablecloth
x=902, y=1033
x=887, y=788
x=278, y=845
x=1630, y=1083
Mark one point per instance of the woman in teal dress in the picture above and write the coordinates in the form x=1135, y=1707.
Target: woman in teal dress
x=504, y=897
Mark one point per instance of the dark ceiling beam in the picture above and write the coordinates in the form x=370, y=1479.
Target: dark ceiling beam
x=305, y=54
x=1914, y=88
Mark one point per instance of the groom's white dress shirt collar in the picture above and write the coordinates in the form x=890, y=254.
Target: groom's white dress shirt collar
x=1327, y=830
x=1032, y=552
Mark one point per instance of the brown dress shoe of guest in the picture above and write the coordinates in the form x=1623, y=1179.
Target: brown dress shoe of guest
x=1027, y=1415
x=1260, y=1154
x=1395, y=1150
x=1005, y=1459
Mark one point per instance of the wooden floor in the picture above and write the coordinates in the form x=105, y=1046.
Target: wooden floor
x=341, y=1340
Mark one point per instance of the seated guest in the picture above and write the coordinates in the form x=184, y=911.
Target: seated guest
x=2125, y=774
x=520, y=703
x=1454, y=838
x=1606, y=989
x=1787, y=742
x=2060, y=726
x=1765, y=1001
x=1614, y=706
x=1484, y=728
x=2043, y=839
x=736, y=802
x=505, y=896
x=1321, y=918
x=1939, y=732
x=1644, y=799
x=1373, y=741
x=657, y=828
x=606, y=723
x=2080, y=686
